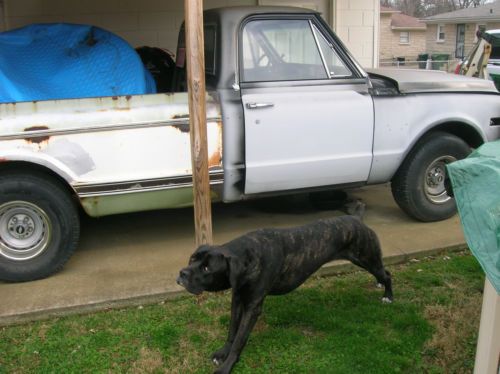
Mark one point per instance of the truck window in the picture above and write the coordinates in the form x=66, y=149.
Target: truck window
x=280, y=50
x=336, y=66
x=179, y=79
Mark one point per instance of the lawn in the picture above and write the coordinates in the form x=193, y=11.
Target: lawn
x=329, y=325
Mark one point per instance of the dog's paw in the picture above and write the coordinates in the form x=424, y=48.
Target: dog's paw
x=386, y=300
x=217, y=361
x=220, y=356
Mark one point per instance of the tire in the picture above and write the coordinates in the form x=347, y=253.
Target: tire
x=39, y=227
x=418, y=186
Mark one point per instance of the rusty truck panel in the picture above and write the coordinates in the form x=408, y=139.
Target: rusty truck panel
x=111, y=146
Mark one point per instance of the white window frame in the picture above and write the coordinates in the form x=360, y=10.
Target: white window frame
x=407, y=37
x=440, y=30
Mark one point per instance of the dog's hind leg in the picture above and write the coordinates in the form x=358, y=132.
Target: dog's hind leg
x=376, y=268
x=384, y=278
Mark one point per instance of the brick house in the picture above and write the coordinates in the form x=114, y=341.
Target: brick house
x=454, y=33
x=401, y=36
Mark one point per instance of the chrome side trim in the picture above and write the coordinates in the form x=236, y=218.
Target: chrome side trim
x=101, y=128
x=119, y=188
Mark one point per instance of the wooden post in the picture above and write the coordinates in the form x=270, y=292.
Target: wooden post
x=195, y=55
x=488, y=342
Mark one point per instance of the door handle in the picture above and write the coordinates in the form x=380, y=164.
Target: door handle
x=259, y=105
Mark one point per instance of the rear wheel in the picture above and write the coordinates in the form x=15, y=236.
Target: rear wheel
x=39, y=227
x=419, y=185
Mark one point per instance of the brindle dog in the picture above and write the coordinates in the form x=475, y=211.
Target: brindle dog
x=275, y=262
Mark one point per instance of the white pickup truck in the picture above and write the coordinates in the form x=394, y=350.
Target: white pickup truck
x=288, y=109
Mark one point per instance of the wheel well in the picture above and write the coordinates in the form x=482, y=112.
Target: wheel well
x=459, y=129
x=21, y=167
x=465, y=132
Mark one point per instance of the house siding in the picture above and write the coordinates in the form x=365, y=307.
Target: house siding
x=409, y=51
x=449, y=45
x=385, y=37
x=390, y=46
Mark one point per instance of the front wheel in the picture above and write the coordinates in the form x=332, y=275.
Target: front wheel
x=419, y=185
x=39, y=227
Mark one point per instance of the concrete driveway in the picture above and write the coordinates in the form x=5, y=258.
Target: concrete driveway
x=134, y=258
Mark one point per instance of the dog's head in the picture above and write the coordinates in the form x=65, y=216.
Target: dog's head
x=208, y=270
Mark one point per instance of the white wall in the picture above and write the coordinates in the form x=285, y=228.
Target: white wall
x=140, y=22
x=157, y=22
x=357, y=23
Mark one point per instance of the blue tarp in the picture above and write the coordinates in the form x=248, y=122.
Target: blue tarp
x=476, y=185
x=60, y=61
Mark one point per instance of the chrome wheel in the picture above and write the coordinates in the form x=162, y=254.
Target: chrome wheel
x=434, y=180
x=25, y=230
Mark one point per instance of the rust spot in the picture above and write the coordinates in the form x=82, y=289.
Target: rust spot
x=114, y=98
x=180, y=116
x=182, y=127
x=215, y=160
x=37, y=139
x=36, y=128
x=128, y=97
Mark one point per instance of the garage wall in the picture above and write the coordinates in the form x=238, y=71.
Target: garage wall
x=144, y=22
x=322, y=6
x=156, y=22
x=357, y=23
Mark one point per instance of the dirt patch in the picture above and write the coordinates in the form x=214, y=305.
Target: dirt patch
x=456, y=327
x=149, y=361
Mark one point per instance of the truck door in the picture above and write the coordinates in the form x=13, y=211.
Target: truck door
x=308, y=115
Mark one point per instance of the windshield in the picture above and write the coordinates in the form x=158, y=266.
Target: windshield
x=495, y=51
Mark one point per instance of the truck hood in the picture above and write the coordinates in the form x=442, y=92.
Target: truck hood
x=413, y=81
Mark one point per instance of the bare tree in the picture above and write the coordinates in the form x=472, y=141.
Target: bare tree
x=425, y=8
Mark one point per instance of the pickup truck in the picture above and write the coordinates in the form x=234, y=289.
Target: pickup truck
x=288, y=109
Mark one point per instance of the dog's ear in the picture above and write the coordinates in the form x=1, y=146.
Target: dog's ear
x=242, y=269
x=216, y=260
x=199, y=253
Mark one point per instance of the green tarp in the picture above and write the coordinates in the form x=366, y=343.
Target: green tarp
x=476, y=185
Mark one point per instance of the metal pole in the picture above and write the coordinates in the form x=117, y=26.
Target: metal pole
x=195, y=55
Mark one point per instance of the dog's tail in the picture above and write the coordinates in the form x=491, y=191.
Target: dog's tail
x=355, y=207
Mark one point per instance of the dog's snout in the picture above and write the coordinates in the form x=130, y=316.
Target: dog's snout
x=182, y=278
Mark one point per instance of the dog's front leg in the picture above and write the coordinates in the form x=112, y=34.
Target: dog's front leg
x=220, y=356
x=249, y=316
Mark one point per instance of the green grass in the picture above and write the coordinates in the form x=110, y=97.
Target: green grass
x=330, y=325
